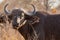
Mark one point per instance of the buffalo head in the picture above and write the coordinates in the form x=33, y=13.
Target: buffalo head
x=15, y=16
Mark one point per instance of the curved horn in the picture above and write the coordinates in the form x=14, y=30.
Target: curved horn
x=34, y=11
x=5, y=10
x=29, y=12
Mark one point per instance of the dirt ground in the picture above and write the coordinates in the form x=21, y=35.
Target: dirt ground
x=6, y=31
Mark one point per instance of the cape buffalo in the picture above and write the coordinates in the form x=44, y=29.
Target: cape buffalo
x=48, y=27
x=35, y=32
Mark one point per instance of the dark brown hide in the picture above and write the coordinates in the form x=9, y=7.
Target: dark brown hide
x=52, y=27
x=47, y=29
x=38, y=32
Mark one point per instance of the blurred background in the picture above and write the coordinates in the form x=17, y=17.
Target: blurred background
x=41, y=5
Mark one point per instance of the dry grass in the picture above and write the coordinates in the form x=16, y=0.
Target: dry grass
x=8, y=33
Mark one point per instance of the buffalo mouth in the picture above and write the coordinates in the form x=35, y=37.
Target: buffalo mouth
x=21, y=21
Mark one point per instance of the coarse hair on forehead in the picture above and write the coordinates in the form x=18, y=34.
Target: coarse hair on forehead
x=17, y=10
